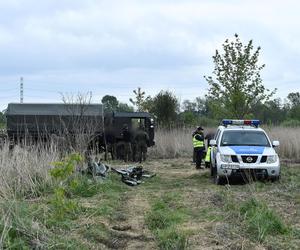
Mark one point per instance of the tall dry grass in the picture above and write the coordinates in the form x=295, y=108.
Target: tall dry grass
x=25, y=170
x=178, y=142
x=172, y=143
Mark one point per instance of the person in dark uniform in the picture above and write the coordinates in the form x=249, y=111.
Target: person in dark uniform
x=198, y=143
x=208, y=137
x=110, y=140
x=141, y=141
x=127, y=143
x=134, y=148
x=194, y=156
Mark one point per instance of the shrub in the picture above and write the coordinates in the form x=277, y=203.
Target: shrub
x=65, y=177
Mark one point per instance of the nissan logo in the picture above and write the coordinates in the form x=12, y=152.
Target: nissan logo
x=249, y=159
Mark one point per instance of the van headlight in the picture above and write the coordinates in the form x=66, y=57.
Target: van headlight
x=226, y=158
x=271, y=159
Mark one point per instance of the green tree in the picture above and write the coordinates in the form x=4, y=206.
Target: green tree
x=294, y=104
x=188, y=118
x=270, y=112
x=201, y=105
x=110, y=103
x=294, y=99
x=124, y=107
x=237, y=85
x=165, y=107
x=140, y=100
x=189, y=106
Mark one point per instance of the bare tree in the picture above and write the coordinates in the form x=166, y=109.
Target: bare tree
x=82, y=126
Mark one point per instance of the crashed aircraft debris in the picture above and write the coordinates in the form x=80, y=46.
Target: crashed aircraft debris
x=132, y=175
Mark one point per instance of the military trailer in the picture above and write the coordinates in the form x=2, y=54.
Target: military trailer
x=39, y=122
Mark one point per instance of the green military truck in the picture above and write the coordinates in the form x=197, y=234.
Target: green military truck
x=38, y=122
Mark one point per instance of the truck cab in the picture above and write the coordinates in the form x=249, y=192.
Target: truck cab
x=114, y=123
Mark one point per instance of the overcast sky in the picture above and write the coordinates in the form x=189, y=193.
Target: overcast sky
x=112, y=47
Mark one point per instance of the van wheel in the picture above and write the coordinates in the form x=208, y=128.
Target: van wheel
x=277, y=178
x=211, y=170
x=218, y=180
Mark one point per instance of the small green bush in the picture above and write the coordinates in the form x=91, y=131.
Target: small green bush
x=260, y=220
x=65, y=177
x=61, y=207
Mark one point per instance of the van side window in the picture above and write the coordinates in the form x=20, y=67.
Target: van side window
x=218, y=139
x=217, y=134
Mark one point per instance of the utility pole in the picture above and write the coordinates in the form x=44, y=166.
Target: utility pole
x=21, y=90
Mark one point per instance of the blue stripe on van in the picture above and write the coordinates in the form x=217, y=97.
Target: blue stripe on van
x=248, y=149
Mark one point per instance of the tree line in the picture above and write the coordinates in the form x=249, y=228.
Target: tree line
x=170, y=112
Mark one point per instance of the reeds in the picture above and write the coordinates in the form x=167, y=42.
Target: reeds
x=24, y=170
x=178, y=142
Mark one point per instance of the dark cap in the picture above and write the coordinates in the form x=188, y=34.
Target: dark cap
x=200, y=128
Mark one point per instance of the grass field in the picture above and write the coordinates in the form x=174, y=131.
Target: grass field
x=180, y=208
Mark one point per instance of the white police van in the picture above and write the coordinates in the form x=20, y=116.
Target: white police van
x=241, y=148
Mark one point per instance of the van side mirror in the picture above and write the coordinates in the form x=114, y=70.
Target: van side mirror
x=275, y=143
x=213, y=143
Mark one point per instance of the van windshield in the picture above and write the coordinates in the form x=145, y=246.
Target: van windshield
x=244, y=138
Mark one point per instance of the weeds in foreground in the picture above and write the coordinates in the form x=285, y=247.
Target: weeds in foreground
x=164, y=219
x=261, y=221
x=254, y=217
x=20, y=228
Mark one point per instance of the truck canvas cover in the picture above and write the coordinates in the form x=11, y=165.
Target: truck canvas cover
x=56, y=109
x=45, y=118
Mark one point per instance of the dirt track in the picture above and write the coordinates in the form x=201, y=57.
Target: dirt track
x=207, y=223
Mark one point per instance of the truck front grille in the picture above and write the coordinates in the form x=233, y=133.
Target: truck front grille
x=249, y=158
